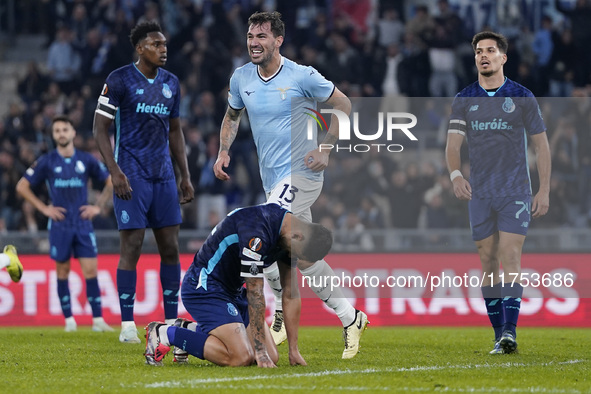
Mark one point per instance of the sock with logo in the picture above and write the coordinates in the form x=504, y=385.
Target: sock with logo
x=511, y=305
x=319, y=277
x=93, y=294
x=63, y=292
x=126, y=284
x=193, y=342
x=272, y=275
x=170, y=279
x=494, y=307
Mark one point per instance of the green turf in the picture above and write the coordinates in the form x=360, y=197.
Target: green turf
x=550, y=360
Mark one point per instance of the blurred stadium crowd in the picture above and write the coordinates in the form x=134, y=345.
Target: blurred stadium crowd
x=369, y=48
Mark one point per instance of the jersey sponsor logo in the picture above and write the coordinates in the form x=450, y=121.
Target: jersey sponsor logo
x=105, y=90
x=152, y=109
x=124, y=217
x=166, y=92
x=508, y=105
x=65, y=183
x=255, y=244
x=247, y=93
x=232, y=309
x=496, y=124
x=80, y=168
x=283, y=91
x=473, y=108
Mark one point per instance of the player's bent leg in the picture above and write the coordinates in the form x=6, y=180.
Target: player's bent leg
x=181, y=356
x=237, y=350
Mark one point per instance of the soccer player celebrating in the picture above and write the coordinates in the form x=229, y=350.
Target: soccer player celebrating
x=144, y=101
x=232, y=329
x=494, y=115
x=290, y=165
x=67, y=172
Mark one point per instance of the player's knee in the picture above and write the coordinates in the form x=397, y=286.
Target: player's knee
x=242, y=359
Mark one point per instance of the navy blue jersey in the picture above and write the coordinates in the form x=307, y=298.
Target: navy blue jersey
x=239, y=247
x=67, y=182
x=496, y=127
x=142, y=109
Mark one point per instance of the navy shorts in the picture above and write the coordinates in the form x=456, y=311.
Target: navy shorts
x=508, y=214
x=214, y=308
x=65, y=241
x=153, y=205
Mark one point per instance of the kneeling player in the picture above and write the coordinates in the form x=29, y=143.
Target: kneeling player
x=232, y=329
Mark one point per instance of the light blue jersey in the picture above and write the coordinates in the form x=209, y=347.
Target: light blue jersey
x=280, y=131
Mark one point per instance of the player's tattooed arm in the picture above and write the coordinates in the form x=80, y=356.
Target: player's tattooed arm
x=227, y=136
x=256, y=311
x=229, y=128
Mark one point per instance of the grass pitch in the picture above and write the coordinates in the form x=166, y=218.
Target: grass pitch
x=399, y=359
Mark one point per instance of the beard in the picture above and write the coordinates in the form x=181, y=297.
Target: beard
x=263, y=60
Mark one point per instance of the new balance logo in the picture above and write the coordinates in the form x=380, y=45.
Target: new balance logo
x=248, y=93
x=473, y=108
x=139, y=91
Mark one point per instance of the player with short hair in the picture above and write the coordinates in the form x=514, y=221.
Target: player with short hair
x=290, y=164
x=495, y=114
x=66, y=171
x=9, y=260
x=231, y=326
x=143, y=100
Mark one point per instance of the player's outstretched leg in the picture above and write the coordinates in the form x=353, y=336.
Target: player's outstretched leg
x=14, y=266
x=352, y=334
x=155, y=349
x=181, y=356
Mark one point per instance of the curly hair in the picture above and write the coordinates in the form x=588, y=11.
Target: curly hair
x=141, y=31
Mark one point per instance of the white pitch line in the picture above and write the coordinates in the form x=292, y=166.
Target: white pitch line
x=201, y=382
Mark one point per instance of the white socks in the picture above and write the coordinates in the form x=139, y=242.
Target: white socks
x=334, y=299
x=4, y=260
x=272, y=275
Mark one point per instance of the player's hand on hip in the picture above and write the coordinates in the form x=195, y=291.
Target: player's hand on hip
x=87, y=212
x=263, y=360
x=295, y=358
x=55, y=213
x=188, y=193
x=223, y=161
x=462, y=188
x=121, y=186
x=316, y=160
x=540, y=205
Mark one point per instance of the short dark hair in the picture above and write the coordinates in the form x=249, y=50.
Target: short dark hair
x=277, y=25
x=319, y=242
x=501, y=40
x=62, y=118
x=141, y=31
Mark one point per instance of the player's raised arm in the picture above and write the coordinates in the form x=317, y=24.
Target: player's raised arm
x=257, y=326
x=227, y=135
x=317, y=160
x=177, y=148
x=100, y=129
x=292, y=305
x=462, y=188
x=541, y=201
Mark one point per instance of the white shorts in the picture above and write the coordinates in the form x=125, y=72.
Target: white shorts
x=297, y=194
